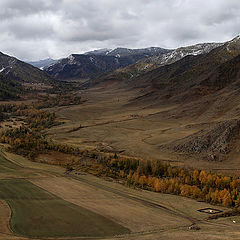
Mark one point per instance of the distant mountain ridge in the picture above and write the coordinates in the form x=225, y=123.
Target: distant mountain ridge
x=126, y=52
x=146, y=65
x=41, y=64
x=98, y=62
x=182, y=52
x=154, y=62
x=78, y=66
x=134, y=61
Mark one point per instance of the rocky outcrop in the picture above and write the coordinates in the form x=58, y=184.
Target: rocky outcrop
x=213, y=143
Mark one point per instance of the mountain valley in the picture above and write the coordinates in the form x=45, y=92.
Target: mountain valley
x=122, y=143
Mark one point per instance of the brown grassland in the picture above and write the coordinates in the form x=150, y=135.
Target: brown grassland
x=148, y=215
x=109, y=122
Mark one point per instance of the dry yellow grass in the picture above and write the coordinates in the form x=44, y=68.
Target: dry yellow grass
x=122, y=210
x=149, y=215
x=111, y=122
x=126, y=206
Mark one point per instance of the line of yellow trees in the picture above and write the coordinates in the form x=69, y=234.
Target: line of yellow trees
x=161, y=177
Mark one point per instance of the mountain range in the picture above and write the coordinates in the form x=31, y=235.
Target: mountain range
x=98, y=62
x=191, y=76
x=79, y=66
x=127, y=52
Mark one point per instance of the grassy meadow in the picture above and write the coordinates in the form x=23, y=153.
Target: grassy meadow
x=37, y=213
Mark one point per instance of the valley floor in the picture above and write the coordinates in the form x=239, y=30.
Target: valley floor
x=111, y=121
x=42, y=201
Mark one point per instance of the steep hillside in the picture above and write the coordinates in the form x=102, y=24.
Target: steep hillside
x=190, y=77
x=98, y=62
x=15, y=69
x=85, y=66
x=182, y=52
x=224, y=74
x=150, y=63
x=208, y=91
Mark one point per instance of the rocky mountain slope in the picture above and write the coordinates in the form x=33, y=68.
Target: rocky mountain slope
x=150, y=63
x=78, y=66
x=131, y=62
x=207, y=90
x=14, y=69
x=98, y=62
x=135, y=54
x=182, y=52
x=18, y=78
x=190, y=77
x=213, y=142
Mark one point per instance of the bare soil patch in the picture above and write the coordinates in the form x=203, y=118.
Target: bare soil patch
x=5, y=218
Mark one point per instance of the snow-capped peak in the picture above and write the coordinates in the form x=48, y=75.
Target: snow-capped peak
x=71, y=59
x=237, y=38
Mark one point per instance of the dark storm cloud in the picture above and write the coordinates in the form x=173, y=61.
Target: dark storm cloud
x=33, y=29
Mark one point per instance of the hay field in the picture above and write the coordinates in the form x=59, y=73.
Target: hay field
x=49, y=203
x=37, y=213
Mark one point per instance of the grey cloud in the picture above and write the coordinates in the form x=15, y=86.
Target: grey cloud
x=33, y=29
x=15, y=8
x=221, y=12
x=30, y=27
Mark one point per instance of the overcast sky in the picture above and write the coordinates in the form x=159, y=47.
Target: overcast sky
x=37, y=29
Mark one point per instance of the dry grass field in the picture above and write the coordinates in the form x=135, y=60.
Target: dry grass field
x=110, y=121
x=37, y=213
x=77, y=205
x=147, y=215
